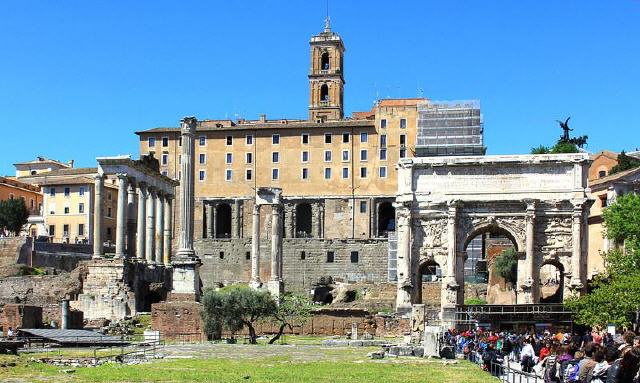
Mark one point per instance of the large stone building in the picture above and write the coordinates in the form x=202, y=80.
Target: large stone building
x=337, y=178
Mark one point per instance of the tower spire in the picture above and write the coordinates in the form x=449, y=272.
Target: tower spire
x=327, y=20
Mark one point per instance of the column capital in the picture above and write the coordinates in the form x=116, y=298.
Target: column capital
x=188, y=125
x=99, y=177
x=141, y=185
x=153, y=191
x=122, y=176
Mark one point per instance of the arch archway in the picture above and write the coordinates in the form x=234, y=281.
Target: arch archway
x=324, y=93
x=386, y=219
x=324, y=61
x=551, y=282
x=429, y=282
x=223, y=220
x=303, y=220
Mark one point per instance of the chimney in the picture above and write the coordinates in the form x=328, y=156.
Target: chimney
x=70, y=163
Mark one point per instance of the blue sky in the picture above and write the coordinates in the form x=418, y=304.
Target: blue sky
x=77, y=78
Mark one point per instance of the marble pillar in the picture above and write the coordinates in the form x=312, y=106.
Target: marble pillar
x=121, y=217
x=151, y=226
x=98, y=250
x=576, y=285
x=168, y=223
x=210, y=232
x=255, y=248
x=142, y=219
x=276, y=242
x=159, y=235
x=405, y=288
x=131, y=220
x=530, y=287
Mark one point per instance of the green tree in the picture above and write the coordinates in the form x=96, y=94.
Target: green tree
x=506, y=265
x=625, y=162
x=13, y=215
x=564, y=147
x=293, y=307
x=540, y=150
x=615, y=294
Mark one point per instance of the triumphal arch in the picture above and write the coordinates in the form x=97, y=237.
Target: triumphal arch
x=540, y=202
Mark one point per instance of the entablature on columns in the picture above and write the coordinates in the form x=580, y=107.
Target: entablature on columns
x=138, y=172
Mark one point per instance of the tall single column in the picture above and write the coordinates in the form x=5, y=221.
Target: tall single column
x=168, y=222
x=529, y=287
x=142, y=220
x=131, y=220
x=450, y=298
x=150, y=247
x=255, y=248
x=403, y=228
x=159, y=237
x=97, y=216
x=276, y=242
x=121, y=217
x=209, y=212
x=576, y=284
x=185, y=235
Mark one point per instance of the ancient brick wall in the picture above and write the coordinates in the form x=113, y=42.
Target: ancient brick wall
x=19, y=316
x=178, y=320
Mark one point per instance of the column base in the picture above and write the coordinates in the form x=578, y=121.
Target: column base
x=186, y=279
x=255, y=284
x=97, y=256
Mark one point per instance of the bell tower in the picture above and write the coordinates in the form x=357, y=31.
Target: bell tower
x=326, y=79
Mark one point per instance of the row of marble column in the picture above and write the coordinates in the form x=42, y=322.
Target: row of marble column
x=276, y=245
x=143, y=221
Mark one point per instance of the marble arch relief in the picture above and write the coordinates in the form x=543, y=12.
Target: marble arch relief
x=539, y=201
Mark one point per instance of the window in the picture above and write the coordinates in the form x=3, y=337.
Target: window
x=229, y=158
x=305, y=138
x=364, y=154
x=403, y=140
x=275, y=174
x=403, y=123
x=228, y=175
x=165, y=142
x=305, y=156
x=249, y=139
x=345, y=173
x=403, y=153
x=152, y=142
x=179, y=140
x=383, y=154
x=330, y=256
x=52, y=192
x=382, y=172
x=354, y=257
x=81, y=191
x=201, y=175
x=363, y=172
x=32, y=203
x=109, y=212
x=602, y=173
x=383, y=140
x=203, y=158
x=383, y=124
x=303, y=255
x=165, y=173
x=248, y=158
x=80, y=208
x=345, y=156
x=11, y=196
x=109, y=196
x=65, y=230
x=165, y=159
x=248, y=175
x=327, y=156
x=305, y=173
x=229, y=140
x=52, y=230
x=327, y=173
x=202, y=140
x=345, y=138
x=327, y=138
x=66, y=210
x=363, y=206
x=247, y=255
x=275, y=139
x=364, y=137
x=80, y=229
x=221, y=255
x=603, y=200
x=67, y=191
x=275, y=157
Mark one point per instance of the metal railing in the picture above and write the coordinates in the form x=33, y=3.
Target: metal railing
x=508, y=374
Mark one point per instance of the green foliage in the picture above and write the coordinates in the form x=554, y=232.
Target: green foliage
x=615, y=293
x=475, y=301
x=540, y=150
x=235, y=307
x=506, y=265
x=13, y=215
x=564, y=147
x=294, y=307
x=625, y=163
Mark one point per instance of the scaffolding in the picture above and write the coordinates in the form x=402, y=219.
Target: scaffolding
x=447, y=128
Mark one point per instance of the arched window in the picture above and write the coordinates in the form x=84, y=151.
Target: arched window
x=324, y=92
x=303, y=220
x=324, y=61
x=223, y=221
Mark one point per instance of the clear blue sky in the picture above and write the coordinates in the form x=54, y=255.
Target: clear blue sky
x=77, y=78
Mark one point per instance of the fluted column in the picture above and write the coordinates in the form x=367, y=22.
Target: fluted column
x=159, y=237
x=151, y=226
x=97, y=216
x=131, y=220
x=576, y=256
x=255, y=247
x=168, y=222
x=185, y=235
x=403, y=227
x=142, y=220
x=530, y=287
x=121, y=216
x=276, y=242
x=451, y=297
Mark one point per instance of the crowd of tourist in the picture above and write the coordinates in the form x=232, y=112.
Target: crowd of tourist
x=590, y=357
